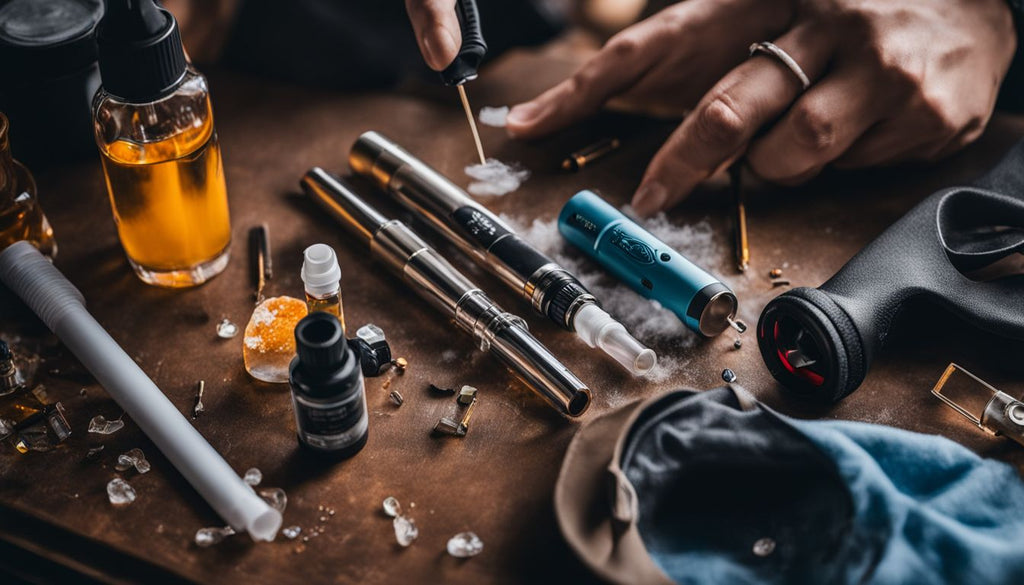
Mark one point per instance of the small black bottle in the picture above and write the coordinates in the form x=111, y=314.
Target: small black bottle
x=327, y=388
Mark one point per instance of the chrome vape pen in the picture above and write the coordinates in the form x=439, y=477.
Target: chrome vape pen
x=552, y=290
x=430, y=275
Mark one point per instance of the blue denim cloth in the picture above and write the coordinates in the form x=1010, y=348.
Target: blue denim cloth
x=838, y=502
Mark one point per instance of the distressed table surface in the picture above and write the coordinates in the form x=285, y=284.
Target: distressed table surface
x=497, y=481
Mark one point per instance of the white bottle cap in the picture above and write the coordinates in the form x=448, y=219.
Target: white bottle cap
x=320, y=271
x=598, y=329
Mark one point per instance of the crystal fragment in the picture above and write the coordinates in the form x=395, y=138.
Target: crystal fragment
x=396, y=397
x=100, y=425
x=493, y=116
x=764, y=546
x=405, y=530
x=495, y=177
x=226, y=329
x=134, y=458
x=728, y=375
x=466, y=395
x=292, y=532
x=210, y=536
x=94, y=453
x=464, y=545
x=253, y=476
x=269, y=343
x=440, y=390
x=276, y=497
x=392, y=507
x=120, y=492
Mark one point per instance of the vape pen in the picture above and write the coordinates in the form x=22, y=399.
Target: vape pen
x=436, y=280
x=551, y=289
x=648, y=265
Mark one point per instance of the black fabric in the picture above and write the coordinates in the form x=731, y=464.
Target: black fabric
x=713, y=479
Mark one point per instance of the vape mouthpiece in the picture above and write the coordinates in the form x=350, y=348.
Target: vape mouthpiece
x=598, y=329
x=320, y=270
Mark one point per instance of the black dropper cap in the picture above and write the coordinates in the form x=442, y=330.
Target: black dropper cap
x=141, y=57
x=471, y=54
x=320, y=342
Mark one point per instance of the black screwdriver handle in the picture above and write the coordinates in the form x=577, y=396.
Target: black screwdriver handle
x=464, y=67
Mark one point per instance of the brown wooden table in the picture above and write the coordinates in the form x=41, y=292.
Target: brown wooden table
x=55, y=520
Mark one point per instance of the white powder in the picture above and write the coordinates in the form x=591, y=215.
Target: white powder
x=496, y=178
x=496, y=117
x=647, y=320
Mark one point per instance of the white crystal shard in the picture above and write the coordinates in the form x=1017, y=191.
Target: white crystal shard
x=497, y=117
x=392, y=507
x=226, y=329
x=253, y=476
x=120, y=492
x=764, y=546
x=100, y=425
x=276, y=497
x=291, y=532
x=405, y=530
x=464, y=545
x=495, y=178
x=210, y=536
x=134, y=458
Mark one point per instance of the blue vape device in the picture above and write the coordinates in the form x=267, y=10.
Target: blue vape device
x=648, y=265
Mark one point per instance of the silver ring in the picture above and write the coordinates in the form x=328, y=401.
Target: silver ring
x=773, y=50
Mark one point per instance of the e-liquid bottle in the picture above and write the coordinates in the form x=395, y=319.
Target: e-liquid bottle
x=321, y=276
x=20, y=215
x=327, y=388
x=154, y=127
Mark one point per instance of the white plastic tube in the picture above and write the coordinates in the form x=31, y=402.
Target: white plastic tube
x=598, y=329
x=61, y=306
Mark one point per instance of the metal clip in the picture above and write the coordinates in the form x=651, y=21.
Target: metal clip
x=990, y=409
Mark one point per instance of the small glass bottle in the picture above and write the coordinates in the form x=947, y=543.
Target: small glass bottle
x=20, y=215
x=321, y=276
x=28, y=420
x=328, y=393
x=154, y=127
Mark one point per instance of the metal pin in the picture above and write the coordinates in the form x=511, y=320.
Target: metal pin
x=396, y=397
x=472, y=122
x=590, y=153
x=742, y=245
x=260, y=269
x=197, y=407
x=464, y=424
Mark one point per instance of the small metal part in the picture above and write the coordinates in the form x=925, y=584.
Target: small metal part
x=590, y=153
x=988, y=408
x=466, y=395
x=775, y=273
x=737, y=344
x=197, y=406
x=447, y=426
x=464, y=424
x=742, y=245
x=738, y=325
x=396, y=397
x=728, y=375
x=401, y=364
x=260, y=269
x=780, y=282
x=472, y=122
x=440, y=390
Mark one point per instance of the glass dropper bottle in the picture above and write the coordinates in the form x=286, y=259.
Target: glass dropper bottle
x=321, y=276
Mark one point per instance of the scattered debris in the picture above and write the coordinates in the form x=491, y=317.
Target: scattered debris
x=197, y=405
x=94, y=453
x=464, y=545
x=396, y=397
x=206, y=537
x=737, y=344
x=253, y=476
x=401, y=364
x=291, y=532
x=496, y=117
x=133, y=458
x=439, y=390
x=780, y=282
x=728, y=375
x=775, y=273
x=496, y=178
x=275, y=497
x=226, y=329
x=405, y=530
x=466, y=395
x=392, y=507
x=101, y=426
x=764, y=547
x=120, y=492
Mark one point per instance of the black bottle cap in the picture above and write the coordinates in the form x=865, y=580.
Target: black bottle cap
x=320, y=342
x=46, y=39
x=141, y=57
x=5, y=352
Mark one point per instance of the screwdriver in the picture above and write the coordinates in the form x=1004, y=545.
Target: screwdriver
x=464, y=67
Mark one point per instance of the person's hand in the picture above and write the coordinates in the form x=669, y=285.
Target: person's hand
x=890, y=81
x=437, y=30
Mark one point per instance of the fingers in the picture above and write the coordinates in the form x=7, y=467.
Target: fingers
x=823, y=123
x=437, y=30
x=718, y=130
x=620, y=63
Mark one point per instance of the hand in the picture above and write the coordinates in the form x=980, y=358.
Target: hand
x=437, y=30
x=891, y=81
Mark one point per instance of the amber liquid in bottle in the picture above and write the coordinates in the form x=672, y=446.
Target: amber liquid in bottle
x=330, y=303
x=21, y=218
x=168, y=195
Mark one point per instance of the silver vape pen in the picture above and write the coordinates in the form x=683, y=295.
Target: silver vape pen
x=552, y=290
x=430, y=275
